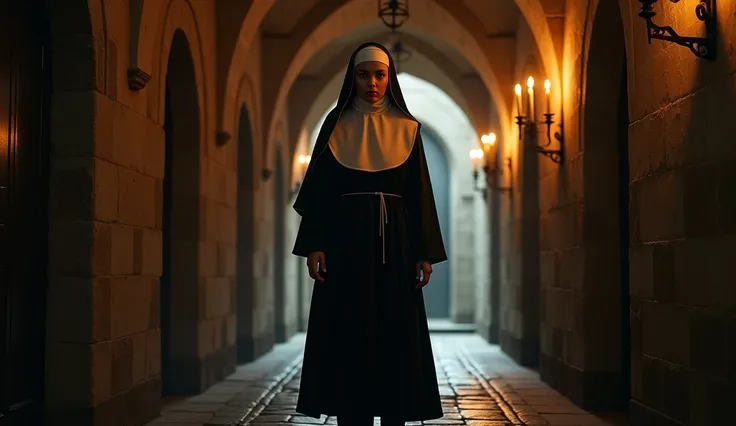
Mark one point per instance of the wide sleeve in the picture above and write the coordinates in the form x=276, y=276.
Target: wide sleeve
x=312, y=234
x=425, y=230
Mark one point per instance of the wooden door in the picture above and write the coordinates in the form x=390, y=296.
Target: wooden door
x=23, y=215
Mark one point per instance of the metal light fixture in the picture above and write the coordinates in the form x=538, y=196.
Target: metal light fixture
x=485, y=159
x=400, y=54
x=393, y=13
x=302, y=170
x=527, y=120
x=702, y=47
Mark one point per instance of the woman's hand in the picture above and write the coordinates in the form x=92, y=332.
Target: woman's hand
x=316, y=263
x=424, y=270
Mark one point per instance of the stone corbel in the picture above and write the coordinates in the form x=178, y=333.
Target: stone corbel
x=137, y=78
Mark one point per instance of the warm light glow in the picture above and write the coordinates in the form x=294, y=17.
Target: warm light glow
x=530, y=82
x=488, y=139
x=517, y=89
x=476, y=157
x=547, y=85
x=302, y=159
x=308, y=158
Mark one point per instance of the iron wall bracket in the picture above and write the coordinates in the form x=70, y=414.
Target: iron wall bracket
x=702, y=47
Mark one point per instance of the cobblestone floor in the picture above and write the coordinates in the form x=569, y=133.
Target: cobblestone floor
x=479, y=386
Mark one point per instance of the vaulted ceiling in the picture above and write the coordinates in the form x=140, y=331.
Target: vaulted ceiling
x=465, y=47
x=498, y=18
x=434, y=59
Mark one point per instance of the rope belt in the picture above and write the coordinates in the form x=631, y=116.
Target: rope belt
x=382, y=216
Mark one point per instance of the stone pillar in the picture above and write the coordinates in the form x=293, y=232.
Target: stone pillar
x=102, y=344
x=519, y=334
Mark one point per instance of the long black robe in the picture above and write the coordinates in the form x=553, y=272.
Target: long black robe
x=368, y=349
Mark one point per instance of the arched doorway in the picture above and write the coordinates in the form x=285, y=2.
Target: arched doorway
x=245, y=238
x=279, y=250
x=606, y=215
x=25, y=87
x=180, y=225
x=437, y=294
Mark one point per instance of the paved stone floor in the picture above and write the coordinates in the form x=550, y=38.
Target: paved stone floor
x=479, y=386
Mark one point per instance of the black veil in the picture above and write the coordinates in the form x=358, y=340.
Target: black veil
x=308, y=190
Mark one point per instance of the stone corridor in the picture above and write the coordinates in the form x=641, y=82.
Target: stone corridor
x=479, y=386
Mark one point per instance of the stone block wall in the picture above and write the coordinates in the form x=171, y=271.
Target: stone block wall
x=104, y=343
x=683, y=226
x=561, y=290
x=103, y=340
x=671, y=334
x=519, y=226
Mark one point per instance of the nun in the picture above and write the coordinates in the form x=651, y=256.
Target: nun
x=370, y=233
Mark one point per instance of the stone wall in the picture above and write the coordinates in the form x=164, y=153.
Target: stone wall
x=683, y=224
x=563, y=291
x=519, y=228
x=679, y=219
x=104, y=338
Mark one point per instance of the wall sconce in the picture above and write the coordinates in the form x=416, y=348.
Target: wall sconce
x=528, y=122
x=489, y=165
x=702, y=47
x=302, y=170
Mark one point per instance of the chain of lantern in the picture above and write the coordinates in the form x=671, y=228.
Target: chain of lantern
x=394, y=14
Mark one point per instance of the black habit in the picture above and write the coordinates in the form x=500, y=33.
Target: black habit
x=368, y=350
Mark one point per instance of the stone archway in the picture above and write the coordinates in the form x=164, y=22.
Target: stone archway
x=545, y=18
x=606, y=214
x=180, y=224
x=359, y=14
x=245, y=238
x=595, y=373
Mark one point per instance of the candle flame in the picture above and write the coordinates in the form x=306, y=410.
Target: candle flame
x=517, y=89
x=547, y=86
x=488, y=139
x=530, y=82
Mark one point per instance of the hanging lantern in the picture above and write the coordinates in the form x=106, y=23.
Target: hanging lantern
x=393, y=13
x=400, y=54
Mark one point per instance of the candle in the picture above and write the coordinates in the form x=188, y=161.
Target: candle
x=517, y=89
x=476, y=155
x=547, y=87
x=530, y=85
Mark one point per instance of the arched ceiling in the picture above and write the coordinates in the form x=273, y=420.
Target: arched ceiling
x=378, y=32
x=289, y=27
x=285, y=15
x=497, y=17
x=448, y=25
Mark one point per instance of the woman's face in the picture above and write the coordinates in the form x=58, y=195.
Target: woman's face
x=371, y=79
